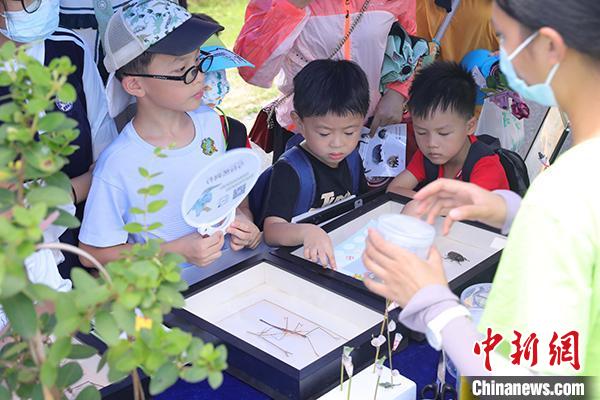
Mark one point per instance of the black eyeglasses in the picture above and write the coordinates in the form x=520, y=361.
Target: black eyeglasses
x=31, y=7
x=204, y=62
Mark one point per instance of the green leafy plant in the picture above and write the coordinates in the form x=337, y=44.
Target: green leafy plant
x=124, y=306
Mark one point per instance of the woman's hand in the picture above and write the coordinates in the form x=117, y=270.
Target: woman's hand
x=460, y=201
x=389, y=111
x=401, y=273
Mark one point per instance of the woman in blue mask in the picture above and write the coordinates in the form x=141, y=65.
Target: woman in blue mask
x=548, y=282
x=34, y=23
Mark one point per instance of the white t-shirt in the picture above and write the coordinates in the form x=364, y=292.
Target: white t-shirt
x=116, y=182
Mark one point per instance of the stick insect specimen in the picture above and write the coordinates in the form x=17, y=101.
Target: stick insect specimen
x=273, y=332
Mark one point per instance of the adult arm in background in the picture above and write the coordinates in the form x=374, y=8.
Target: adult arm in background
x=390, y=108
x=460, y=201
x=269, y=31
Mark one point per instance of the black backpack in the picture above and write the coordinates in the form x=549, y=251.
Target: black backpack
x=486, y=145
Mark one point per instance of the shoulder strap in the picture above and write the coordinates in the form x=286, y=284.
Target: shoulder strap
x=354, y=165
x=432, y=171
x=224, y=124
x=477, y=151
x=296, y=158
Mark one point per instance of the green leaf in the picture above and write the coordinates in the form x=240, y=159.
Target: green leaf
x=81, y=351
x=4, y=393
x=5, y=79
x=125, y=318
x=136, y=210
x=66, y=326
x=90, y=297
x=24, y=217
x=39, y=74
x=83, y=280
x=153, y=190
x=134, y=227
x=156, y=205
x=102, y=362
x=59, y=179
x=165, y=377
x=66, y=219
x=21, y=313
x=215, y=379
x=67, y=94
x=12, y=349
x=68, y=374
x=37, y=393
x=7, y=155
x=194, y=350
x=7, y=110
x=26, y=376
x=154, y=361
x=48, y=373
x=130, y=300
x=59, y=350
x=52, y=121
x=36, y=106
x=49, y=195
x=144, y=172
x=114, y=375
x=89, y=393
x=65, y=306
x=41, y=292
x=25, y=390
x=170, y=296
x=106, y=327
x=7, y=198
x=154, y=226
x=194, y=374
x=222, y=351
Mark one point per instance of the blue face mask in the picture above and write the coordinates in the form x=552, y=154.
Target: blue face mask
x=24, y=27
x=540, y=93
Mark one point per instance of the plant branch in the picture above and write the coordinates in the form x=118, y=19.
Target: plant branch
x=76, y=250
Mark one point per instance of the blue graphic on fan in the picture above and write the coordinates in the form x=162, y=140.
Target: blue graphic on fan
x=202, y=203
x=238, y=191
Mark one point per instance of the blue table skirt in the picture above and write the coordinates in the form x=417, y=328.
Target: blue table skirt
x=417, y=362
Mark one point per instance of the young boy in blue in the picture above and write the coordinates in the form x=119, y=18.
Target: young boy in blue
x=331, y=100
x=152, y=54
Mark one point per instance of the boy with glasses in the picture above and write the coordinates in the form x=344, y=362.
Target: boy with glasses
x=152, y=54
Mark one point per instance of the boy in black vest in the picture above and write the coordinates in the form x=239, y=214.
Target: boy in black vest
x=331, y=100
x=442, y=105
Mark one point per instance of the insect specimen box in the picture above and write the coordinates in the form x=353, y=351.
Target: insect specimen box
x=284, y=327
x=470, y=251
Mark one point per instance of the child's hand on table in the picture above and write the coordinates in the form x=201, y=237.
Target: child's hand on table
x=318, y=247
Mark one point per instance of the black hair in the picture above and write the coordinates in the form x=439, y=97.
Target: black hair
x=442, y=86
x=138, y=65
x=576, y=21
x=339, y=87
